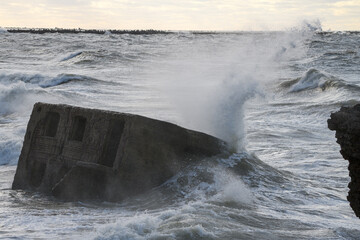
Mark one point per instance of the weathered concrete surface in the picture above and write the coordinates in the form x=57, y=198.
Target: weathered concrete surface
x=76, y=153
x=346, y=122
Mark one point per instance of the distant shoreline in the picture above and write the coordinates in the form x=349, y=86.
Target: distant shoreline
x=133, y=32
x=79, y=30
x=109, y=31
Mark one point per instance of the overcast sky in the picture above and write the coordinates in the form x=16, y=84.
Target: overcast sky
x=180, y=14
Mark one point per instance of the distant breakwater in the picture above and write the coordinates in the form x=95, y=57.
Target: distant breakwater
x=78, y=30
x=137, y=32
x=109, y=31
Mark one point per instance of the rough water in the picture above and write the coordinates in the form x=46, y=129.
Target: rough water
x=268, y=94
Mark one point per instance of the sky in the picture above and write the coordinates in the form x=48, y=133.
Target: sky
x=220, y=15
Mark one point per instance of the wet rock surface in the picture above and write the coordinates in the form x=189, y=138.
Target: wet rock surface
x=76, y=153
x=346, y=123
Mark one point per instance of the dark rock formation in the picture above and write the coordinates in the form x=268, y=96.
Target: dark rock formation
x=76, y=153
x=346, y=122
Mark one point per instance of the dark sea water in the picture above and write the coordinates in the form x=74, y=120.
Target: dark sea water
x=269, y=94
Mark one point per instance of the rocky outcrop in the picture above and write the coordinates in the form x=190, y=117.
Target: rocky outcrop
x=346, y=122
x=76, y=153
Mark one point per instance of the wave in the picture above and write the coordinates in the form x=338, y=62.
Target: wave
x=99, y=57
x=43, y=81
x=71, y=56
x=81, y=57
x=85, y=57
x=15, y=97
x=315, y=79
x=223, y=180
x=18, y=92
x=340, y=53
x=216, y=184
x=64, y=78
x=10, y=150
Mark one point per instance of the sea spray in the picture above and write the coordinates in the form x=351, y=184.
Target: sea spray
x=3, y=30
x=210, y=86
x=10, y=149
x=13, y=97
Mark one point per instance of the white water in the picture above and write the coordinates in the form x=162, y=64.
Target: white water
x=209, y=87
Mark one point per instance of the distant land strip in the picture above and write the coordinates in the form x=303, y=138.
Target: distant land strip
x=111, y=31
x=137, y=32
x=79, y=30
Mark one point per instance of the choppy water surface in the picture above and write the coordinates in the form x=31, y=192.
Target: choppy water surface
x=268, y=94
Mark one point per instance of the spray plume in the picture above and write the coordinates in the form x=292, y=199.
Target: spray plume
x=210, y=80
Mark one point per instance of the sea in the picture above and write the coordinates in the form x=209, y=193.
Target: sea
x=268, y=94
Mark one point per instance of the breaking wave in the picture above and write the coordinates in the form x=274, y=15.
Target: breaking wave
x=15, y=96
x=19, y=91
x=10, y=150
x=213, y=183
x=43, y=81
x=315, y=79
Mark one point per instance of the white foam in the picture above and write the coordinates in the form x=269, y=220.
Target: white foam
x=21, y=77
x=311, y=79
x=14, y=97
x=231, y=188
x=18, y=93
x=141, y=226
x=11, y=139
x=165, y=224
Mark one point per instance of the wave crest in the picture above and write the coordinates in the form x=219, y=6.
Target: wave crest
x=71, y=56
x=84, y=57
x=43, y=81
x=315, y=79
x=64, y=78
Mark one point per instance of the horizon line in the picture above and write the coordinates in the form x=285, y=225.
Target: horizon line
x=149, y=30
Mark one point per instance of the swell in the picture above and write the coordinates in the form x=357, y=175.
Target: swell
x=84, y=57
x=73, y=55
x=315, y=79
x=44, y=81
x=102, y=57
x=19, y=91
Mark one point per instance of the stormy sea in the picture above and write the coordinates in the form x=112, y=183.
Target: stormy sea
x=268, y=94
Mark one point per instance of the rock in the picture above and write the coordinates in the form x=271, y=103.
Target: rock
x=346, y=123
x=75, y=153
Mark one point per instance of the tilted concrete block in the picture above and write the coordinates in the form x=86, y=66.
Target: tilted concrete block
x=76, y=153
